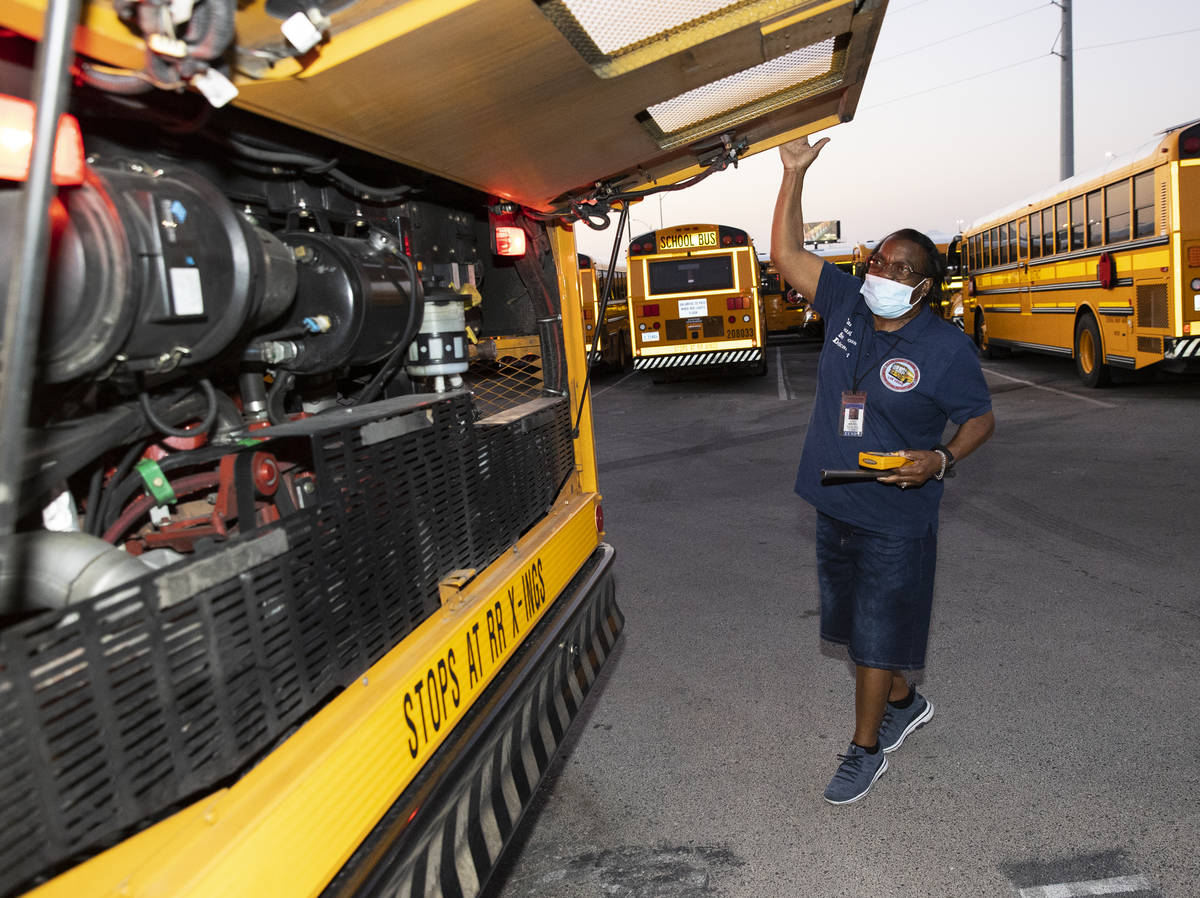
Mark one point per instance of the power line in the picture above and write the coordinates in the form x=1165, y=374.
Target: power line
x=1136, y=40
x=964, y=33
x=960, y=81
x=895, y=12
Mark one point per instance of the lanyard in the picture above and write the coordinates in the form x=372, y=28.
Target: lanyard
x=895, y=341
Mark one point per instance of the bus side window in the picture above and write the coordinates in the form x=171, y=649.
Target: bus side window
x=1047, y=232
x=1035, y=235
x=1077, y=222
x=1095, y=219
x=1023, y=237
x=1060, y=228
x=1116, y=204
x=1143, y=204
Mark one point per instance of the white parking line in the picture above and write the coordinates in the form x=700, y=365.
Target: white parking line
x=1116, y=885
x=596, y=393
x=1030, y=383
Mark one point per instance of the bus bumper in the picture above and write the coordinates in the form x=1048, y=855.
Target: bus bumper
x=699, y=359
x=446, y=832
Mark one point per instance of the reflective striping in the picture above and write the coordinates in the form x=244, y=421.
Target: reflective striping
x=698, y=359
x=467, y=836
x=1184, y=349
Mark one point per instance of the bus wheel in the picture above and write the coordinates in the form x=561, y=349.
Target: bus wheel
x=1089, y=351
x=986, y=349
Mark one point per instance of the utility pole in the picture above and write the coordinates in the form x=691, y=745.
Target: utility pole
x=1066, y=141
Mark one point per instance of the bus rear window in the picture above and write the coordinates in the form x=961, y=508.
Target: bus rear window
x=692, y=275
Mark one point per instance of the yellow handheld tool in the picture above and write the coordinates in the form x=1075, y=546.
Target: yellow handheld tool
x=871, y=466
x=880, y=461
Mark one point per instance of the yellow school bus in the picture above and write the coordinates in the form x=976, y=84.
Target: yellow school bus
x=694, y=301
x=951, y=305
x=1103, y=267
x=605, y=322
x=785, y=310
x=304, y=574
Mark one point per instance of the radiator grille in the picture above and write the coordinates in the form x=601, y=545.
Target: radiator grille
x=1152, y=305
x=1153, y=345
x=117, y=711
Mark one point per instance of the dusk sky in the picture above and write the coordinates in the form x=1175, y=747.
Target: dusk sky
x=960, y=115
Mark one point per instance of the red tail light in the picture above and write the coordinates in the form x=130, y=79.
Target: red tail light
x=650, y=311
x=588, y=314
x=737, y=302
x=510, y=240
x=16, y=144
x=599, y=517
x=727, y=240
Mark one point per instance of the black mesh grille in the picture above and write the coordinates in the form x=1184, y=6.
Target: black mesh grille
x=504, y=382
x=1150, y=344
x=1152, y=305
x=118, y=710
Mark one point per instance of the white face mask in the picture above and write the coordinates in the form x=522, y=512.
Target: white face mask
x=887, y=298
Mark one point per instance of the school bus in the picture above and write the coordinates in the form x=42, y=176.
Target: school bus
x=304, y=576
x=605, y=323
x=1103, y=267
x=786, y=311
x=950, y=306
x=694, y=301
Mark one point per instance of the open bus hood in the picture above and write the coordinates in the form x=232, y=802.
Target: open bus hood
x=535, y=100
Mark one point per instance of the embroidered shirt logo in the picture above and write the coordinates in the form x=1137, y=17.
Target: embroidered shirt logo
x=899, y=375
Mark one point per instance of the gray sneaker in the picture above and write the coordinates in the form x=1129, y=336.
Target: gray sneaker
x=855, y=776
x=898, y=723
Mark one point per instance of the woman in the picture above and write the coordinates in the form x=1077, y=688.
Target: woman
x=891, y=374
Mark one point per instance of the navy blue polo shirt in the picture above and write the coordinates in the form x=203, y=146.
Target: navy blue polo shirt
x=915, y=379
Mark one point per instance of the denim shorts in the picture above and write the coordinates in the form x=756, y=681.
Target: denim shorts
x=876, y=593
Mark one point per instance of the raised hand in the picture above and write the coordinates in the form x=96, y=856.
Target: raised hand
x=799, y=154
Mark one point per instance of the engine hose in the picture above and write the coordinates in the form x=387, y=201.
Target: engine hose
x=114, y=83
x=123, y=489
x=211, y=29
x=206, y=423
x=276, y=413
x=124, y=466
x=184, y=486
x=416, y=312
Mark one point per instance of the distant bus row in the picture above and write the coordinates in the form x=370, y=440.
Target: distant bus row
x=1103, y=268
x=697, y=297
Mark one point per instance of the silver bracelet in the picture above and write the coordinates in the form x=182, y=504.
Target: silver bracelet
x=945, y=461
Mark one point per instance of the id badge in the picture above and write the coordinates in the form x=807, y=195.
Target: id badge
x=854, y=410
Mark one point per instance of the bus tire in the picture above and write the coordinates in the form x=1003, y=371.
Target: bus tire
x=1089, y=353
x=986, y=349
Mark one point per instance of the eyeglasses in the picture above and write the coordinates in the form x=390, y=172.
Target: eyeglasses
x=901, y=271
